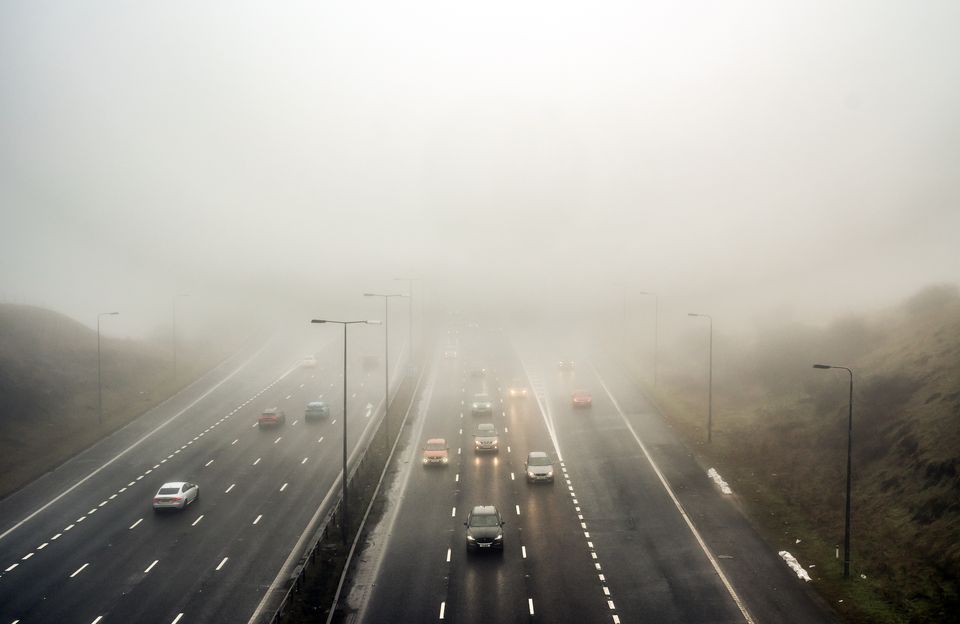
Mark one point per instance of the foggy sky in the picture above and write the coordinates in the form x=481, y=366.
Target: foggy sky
x=797, y=158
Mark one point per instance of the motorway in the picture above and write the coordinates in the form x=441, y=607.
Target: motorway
x=631, y=531
x=82, y=544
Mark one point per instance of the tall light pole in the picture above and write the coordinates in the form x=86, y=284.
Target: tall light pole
x=409, y=281
x=846, y=515
x=710, y=382
x=345, y=520
x=175, y=297
x=99, y=371
x=656, y=330
x=386, y=351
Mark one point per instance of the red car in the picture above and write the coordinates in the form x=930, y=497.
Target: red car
x=271, y=416
x=581, y=398
x=435, y=451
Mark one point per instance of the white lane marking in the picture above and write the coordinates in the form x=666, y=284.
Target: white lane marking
x=606, y=590
x=134, y=525
x=43, y=545
x=112, y=496
x=258, y=519
x=512, y=477
x=456, y=477
x=235, y=441
x=199, y=518
x=461, y=432
x=79, y=570
x=506, y=429
x=140, y=477
x=92, y=511
x=333, y=422
x=81, y=518
x=27, y=556
x=232, y=485
x=353, y=396
x=222, y=563
x=121, y=490
x=96, y=621
x=57, y=536
x=304, y=460
x=278, y=439
x=523, y=551
x=448, y=555
x=258, y=461
x=155, y=467
x=320, y=440
x=616, y=619
x=453, y=512
x=131, y=484
x=283, y=487
x=530, y=605
x=443, y=606
x=518, y=509
x=254, y=425
x=11, y=567
x=294, y=423
x=301, y=385
x=177, y=619
x=135, y=444
x=696, y=534
x=150, y=567
x=208, y=463
x=610, y=604
x=288, y=396
x=458, y=450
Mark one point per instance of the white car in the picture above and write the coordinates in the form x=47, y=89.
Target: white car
x=309, y=362
x=175, y=495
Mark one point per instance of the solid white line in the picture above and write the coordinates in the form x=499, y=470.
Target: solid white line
x=134, y=525
x=150, y=567
x=258, y=519
x=222, y=563
x=676, y=502
x=134, y=445
x=199, y=518
x=79, y=570
x=443, y=606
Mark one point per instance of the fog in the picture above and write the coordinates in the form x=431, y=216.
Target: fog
x=749, y=159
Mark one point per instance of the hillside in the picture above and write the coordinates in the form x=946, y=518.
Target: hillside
x=780, y=439
x=48, y=388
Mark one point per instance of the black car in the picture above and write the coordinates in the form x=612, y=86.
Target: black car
x=484, y=528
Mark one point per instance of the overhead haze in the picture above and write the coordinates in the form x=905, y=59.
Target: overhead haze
x=798, y=159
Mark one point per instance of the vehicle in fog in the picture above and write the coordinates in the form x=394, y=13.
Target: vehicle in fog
x=309, y=362
x=581, y=398
x=316, y=410
x=450, y=353
x=436, y=451
x=517, y=391
x=539, y=467
x=484, y=528
x=566, y=365
x=481, y=405
x=175, y=495
x=478, y=371
x=486, y=438
x=271, y=417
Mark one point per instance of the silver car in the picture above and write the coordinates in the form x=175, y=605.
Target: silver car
x=539, y=467
x=175, y=495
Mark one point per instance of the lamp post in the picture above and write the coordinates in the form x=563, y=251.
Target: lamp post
x=409, y=281
x=175, y=297
x=710, y=382
x=345, y=521
x=386, y=351
x=656, y=330
x=846, y=515
x=99, y=371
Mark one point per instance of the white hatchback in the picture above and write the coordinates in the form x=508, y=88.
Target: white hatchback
x=175, y=495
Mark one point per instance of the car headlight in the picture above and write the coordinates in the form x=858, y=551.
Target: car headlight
x=445, y=459
x=498, y=537
x=425, y=460
x=471, y=538
x=550, y=472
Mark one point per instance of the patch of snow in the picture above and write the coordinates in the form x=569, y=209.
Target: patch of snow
x=795, y=565
x=713, y=474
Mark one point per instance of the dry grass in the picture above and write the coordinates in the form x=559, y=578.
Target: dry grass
x=48, y=388
x=780, y=439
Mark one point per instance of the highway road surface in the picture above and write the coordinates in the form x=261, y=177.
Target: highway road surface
x=632, y=530
x=83, y=544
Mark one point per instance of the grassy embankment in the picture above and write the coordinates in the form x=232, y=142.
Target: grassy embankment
x=48, y=387
x=780, y=436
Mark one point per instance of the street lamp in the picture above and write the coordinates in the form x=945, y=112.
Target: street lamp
x=175, y=297
x=656, y=330
x=99, y=372
x=345, y=518
x=410, y=281
x=386, y=351
x=846, y=516
x=710, y=382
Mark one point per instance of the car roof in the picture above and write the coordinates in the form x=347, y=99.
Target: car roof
x=486, y=427
x=436, y=441
x=271, y=409
x=176, y=484
x=484, y=510
x=315, y=403
x=536, y=454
